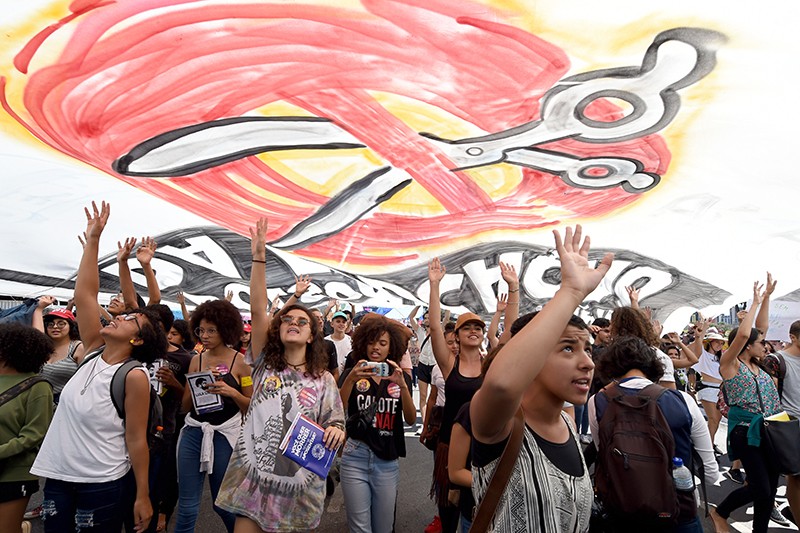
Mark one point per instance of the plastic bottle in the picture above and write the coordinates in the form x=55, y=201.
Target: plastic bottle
x=684, y=480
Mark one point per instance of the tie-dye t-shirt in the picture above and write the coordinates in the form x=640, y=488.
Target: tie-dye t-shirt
x=261, y=483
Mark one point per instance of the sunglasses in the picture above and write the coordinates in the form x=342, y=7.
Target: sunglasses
x=302, y=322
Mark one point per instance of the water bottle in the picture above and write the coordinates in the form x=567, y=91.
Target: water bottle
x=684, y=480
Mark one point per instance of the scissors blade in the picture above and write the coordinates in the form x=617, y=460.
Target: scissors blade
x=188, y=150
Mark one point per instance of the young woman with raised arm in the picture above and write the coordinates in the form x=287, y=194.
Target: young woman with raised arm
x=266, y=490
x=545, y=364
x=752, y=395
x=96, y=463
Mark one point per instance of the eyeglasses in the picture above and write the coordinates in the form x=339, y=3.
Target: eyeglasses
x=302, y=322
x=58, y=324
x=200, y=332
x=132, y=316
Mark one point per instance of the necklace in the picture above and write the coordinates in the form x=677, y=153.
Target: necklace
x=92, y=376
x=296, y=367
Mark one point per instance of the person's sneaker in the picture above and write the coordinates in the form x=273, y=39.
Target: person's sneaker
x=36, y=512
x=778, y=518
x=435, y=526
x=736, y=475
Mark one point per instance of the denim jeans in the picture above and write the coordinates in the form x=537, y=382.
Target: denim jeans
x=466, y=523
x=582, y=419
x=369, y=486
x=86, y=507
x=190, y=479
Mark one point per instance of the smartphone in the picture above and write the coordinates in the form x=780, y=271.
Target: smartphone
x=381, y=369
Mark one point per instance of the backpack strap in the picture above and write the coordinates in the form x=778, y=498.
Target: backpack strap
x=91, y=355
x=20, y=387
x=500, y=477
x=118, y=385
x=427, y=338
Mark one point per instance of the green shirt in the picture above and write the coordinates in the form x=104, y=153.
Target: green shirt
x=23, y=423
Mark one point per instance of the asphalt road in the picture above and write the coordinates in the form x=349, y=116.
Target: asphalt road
x=415, y=510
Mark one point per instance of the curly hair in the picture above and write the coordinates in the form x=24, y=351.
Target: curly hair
x=372, y=327
x=224, y=316
x=24, y=348
x=274, y=351
x=74, y=334
x=627, y=321
x=153, y=335
x=182, y=327
x=627, y=353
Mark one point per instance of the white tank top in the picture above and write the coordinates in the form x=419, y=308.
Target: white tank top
x=86, y=439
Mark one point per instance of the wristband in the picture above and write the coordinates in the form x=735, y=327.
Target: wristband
x=297, y=295
x=513, y=290
x=258, y=261
x=247, y=381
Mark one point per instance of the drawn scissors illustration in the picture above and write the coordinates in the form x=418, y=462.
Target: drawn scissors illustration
x=676, y=59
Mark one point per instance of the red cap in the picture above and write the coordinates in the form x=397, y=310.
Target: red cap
x=248, y=328
x=61, y=313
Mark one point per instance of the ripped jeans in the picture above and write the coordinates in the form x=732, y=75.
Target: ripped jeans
x=86, y=507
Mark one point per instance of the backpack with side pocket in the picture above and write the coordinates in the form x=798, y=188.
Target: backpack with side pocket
x=155, y=415
x=633, y=473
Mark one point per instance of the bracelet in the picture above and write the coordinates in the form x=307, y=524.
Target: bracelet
x=513, y=290
x=512, y=303
x=297, y=295
x=258, y=261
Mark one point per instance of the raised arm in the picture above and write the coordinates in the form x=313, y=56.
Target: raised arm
x=182, y=300
x=762, y=319
x=509, y=274
x=633, y=295
x=145, y=254
x=728, y=362
x=258, y=287
x=125, y=281
x=87, y=284
x=700, y=328
x=37, y=320
x=491, y=334
x=441, y=352
x=301, y=285
x=412, y=315
x=688, y=357
x=521, y=360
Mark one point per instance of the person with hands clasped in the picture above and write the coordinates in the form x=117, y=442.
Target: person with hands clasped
x=545, y=364
x=266, y=490
x=207, y=439
x=96, y=463
x=751, y=395
x=377, y=405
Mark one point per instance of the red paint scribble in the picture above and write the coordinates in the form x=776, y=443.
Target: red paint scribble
x=116, y=84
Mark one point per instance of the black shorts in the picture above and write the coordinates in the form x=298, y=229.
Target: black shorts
x=424, y=373
x=14, y=490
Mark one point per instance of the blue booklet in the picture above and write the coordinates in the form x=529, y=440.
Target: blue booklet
x=303, y=445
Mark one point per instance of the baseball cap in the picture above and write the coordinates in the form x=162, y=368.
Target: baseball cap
x=248, y=328
x=339, y=314
x=61, y=313
x=468, y=317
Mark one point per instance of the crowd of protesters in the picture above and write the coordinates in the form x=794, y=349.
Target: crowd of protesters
x=535, y=401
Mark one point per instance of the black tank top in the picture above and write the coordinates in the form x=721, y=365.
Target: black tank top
x=229, y=407
x=458, y=390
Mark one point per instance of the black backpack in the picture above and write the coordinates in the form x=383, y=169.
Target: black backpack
x=633, y=473
x=155, y=415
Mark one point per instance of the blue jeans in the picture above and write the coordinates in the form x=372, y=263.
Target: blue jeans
x=369, y=486
x=582, y=419
x=466, y=523
x=190, y=479
x=86, y=507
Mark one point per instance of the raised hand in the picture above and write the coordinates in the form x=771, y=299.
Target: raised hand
x=673, y=337
x=509, y=274
x=125, y=249
x=301, y=285
x=502, y=302
x=258, y=239
x=770, y=285
x=276, y=304
x=436, y=270
x=229, y=296
x=701, y=326
x=180, y=297
x=45, y=301
x=96, y=220
x=576, y=273
x=146, y=250
x=758, y=294
x=633, y=294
